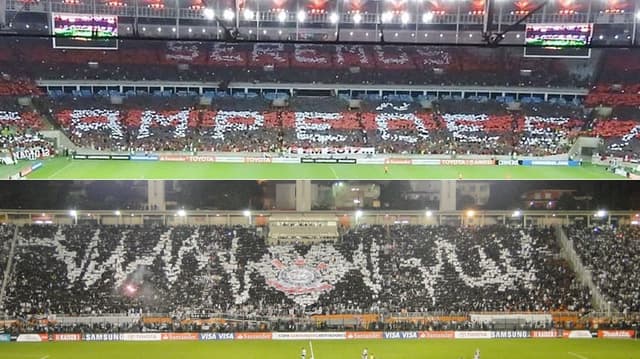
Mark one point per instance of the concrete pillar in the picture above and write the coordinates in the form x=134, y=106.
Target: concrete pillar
x=285, y=196
x=156, y=196
x=303, y=195
x=3, y=13
x=447, y=195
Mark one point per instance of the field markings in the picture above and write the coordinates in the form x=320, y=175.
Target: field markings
x=45, y=357
x=578, y=355
x=335, y=175
x=52, y=176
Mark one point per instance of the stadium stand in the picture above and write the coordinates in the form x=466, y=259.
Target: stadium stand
x=175, y=120
x=616, y=88
x=144, y=60
x=187, y=269
x=389, y=125
x=612, y=254
x=19, y=134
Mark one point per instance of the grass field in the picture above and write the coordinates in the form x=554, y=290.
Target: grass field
x=382, y=349
x=61, y=168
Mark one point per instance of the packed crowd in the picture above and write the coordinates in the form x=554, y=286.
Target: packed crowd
x=185, y=270
x=19, y=135
x=617, y=88
x=249, y=124
x=145, y=60
x=459, y=266
x=612, y=254
x=176, y=121
x=389, y=126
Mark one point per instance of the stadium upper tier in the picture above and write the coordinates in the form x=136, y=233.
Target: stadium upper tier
x=114, y=269
x=289, y=63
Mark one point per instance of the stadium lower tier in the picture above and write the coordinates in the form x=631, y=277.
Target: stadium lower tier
x=412, y=131
x=117, y=269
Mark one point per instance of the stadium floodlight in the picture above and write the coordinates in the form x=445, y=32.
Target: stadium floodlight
x=248, y=14
x=357, y=18
x=246, y=213
x=333, y=18
x=386, y=17
x=228, y=14
x=601, y=213
x=73, y=213
x=302, y=16
x=405, y=18
x=282, y=16
x=182, y=213
x=208, y=13
x=117, y=213
x=358, y=213
x=516, y=213
x=429, y=213
x=471, y=213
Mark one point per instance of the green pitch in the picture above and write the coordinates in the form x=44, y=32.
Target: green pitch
x=381, y=349
x=62, y=168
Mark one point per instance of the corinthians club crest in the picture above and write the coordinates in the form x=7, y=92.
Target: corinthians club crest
x=299, y=278
x=303, y=278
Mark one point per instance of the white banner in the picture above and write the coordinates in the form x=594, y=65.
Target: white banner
x=472, y=335
x=309, y=336
x=32, y=338
x=426, y=162
x=285, y=160
x=224, y=159
x=579, y=334
x=370, y=161
x=141, y=337
x=32, y=153
x=333, y=151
